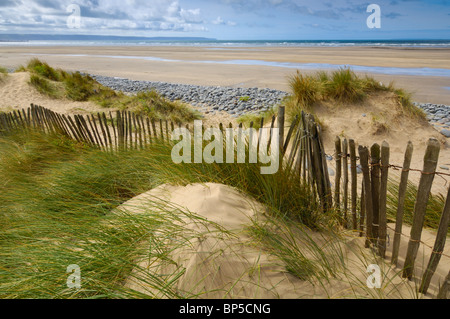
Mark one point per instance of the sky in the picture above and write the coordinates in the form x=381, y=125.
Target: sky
x=230, y=19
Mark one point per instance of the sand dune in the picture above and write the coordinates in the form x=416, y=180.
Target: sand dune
x=16, y=93
x=380, y=118
x=222, y=264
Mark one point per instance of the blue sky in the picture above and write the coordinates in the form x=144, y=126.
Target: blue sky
x=231, y=19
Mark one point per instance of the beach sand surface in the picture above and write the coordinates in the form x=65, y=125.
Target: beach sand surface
x=187, y=64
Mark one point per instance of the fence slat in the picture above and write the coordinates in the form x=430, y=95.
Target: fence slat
x=401, y=202
x=444, y=291
x=105, y=138
x=438, y=246
x=290, y=133
x=137, y=133
x=382, y=230
x=354, y=183
x=337, y=182
x=423, y=193
x=111, y=146
x=97, y=142
x=280, y=125
x=362, y=212
x=149, y=131
x=364, y=159
x=375, y=188
x=295, y=148
x=327, y=183
x=345, y=180
x=116, y=138
x=154, y=129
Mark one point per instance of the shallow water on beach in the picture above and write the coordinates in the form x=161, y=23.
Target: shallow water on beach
x=300, y=66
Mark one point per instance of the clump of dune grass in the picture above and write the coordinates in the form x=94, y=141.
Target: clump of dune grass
x=3, y=73
x=3, y=70
x=46, y=87
x=306, y=90
x=155, y=106
x=342, y=86
x=345, y=86
x=43, y=69
x=79, y=87
x=57, y=83
x=435, y=205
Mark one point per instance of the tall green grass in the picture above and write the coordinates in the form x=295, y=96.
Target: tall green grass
x=59, y=206
x=56, y=199
x=306, y=89
x=345, y=86
x=435, y=206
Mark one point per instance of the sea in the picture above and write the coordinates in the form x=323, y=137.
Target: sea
x=224, y=44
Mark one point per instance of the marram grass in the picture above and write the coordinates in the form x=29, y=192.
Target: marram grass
x=342, y=86
x=57, y=199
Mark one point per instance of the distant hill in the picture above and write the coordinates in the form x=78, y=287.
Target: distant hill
x=73, y=37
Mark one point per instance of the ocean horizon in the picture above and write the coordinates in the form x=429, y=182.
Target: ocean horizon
x=223, y=44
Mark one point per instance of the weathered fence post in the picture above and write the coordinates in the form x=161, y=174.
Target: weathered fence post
x=382, y=230
x=354, y=178
x=362, y=214
x=319, y=175
x=345, y=181
x=328, y=191
x=280, y=126
x=438, y=246
x=423, y=193
x=364, y=159
x=337, y=182
x=401, y=203
x=289, y=135
x=443, y=292
x=375, y=181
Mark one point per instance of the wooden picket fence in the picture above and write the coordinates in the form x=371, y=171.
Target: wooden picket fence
x=370, y=220
x=125, y=130
x=302, y=151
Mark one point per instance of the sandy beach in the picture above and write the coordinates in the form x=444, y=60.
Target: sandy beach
x=247, y=67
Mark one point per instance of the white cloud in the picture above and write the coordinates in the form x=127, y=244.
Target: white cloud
x=128, y=15
x=220, y=21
